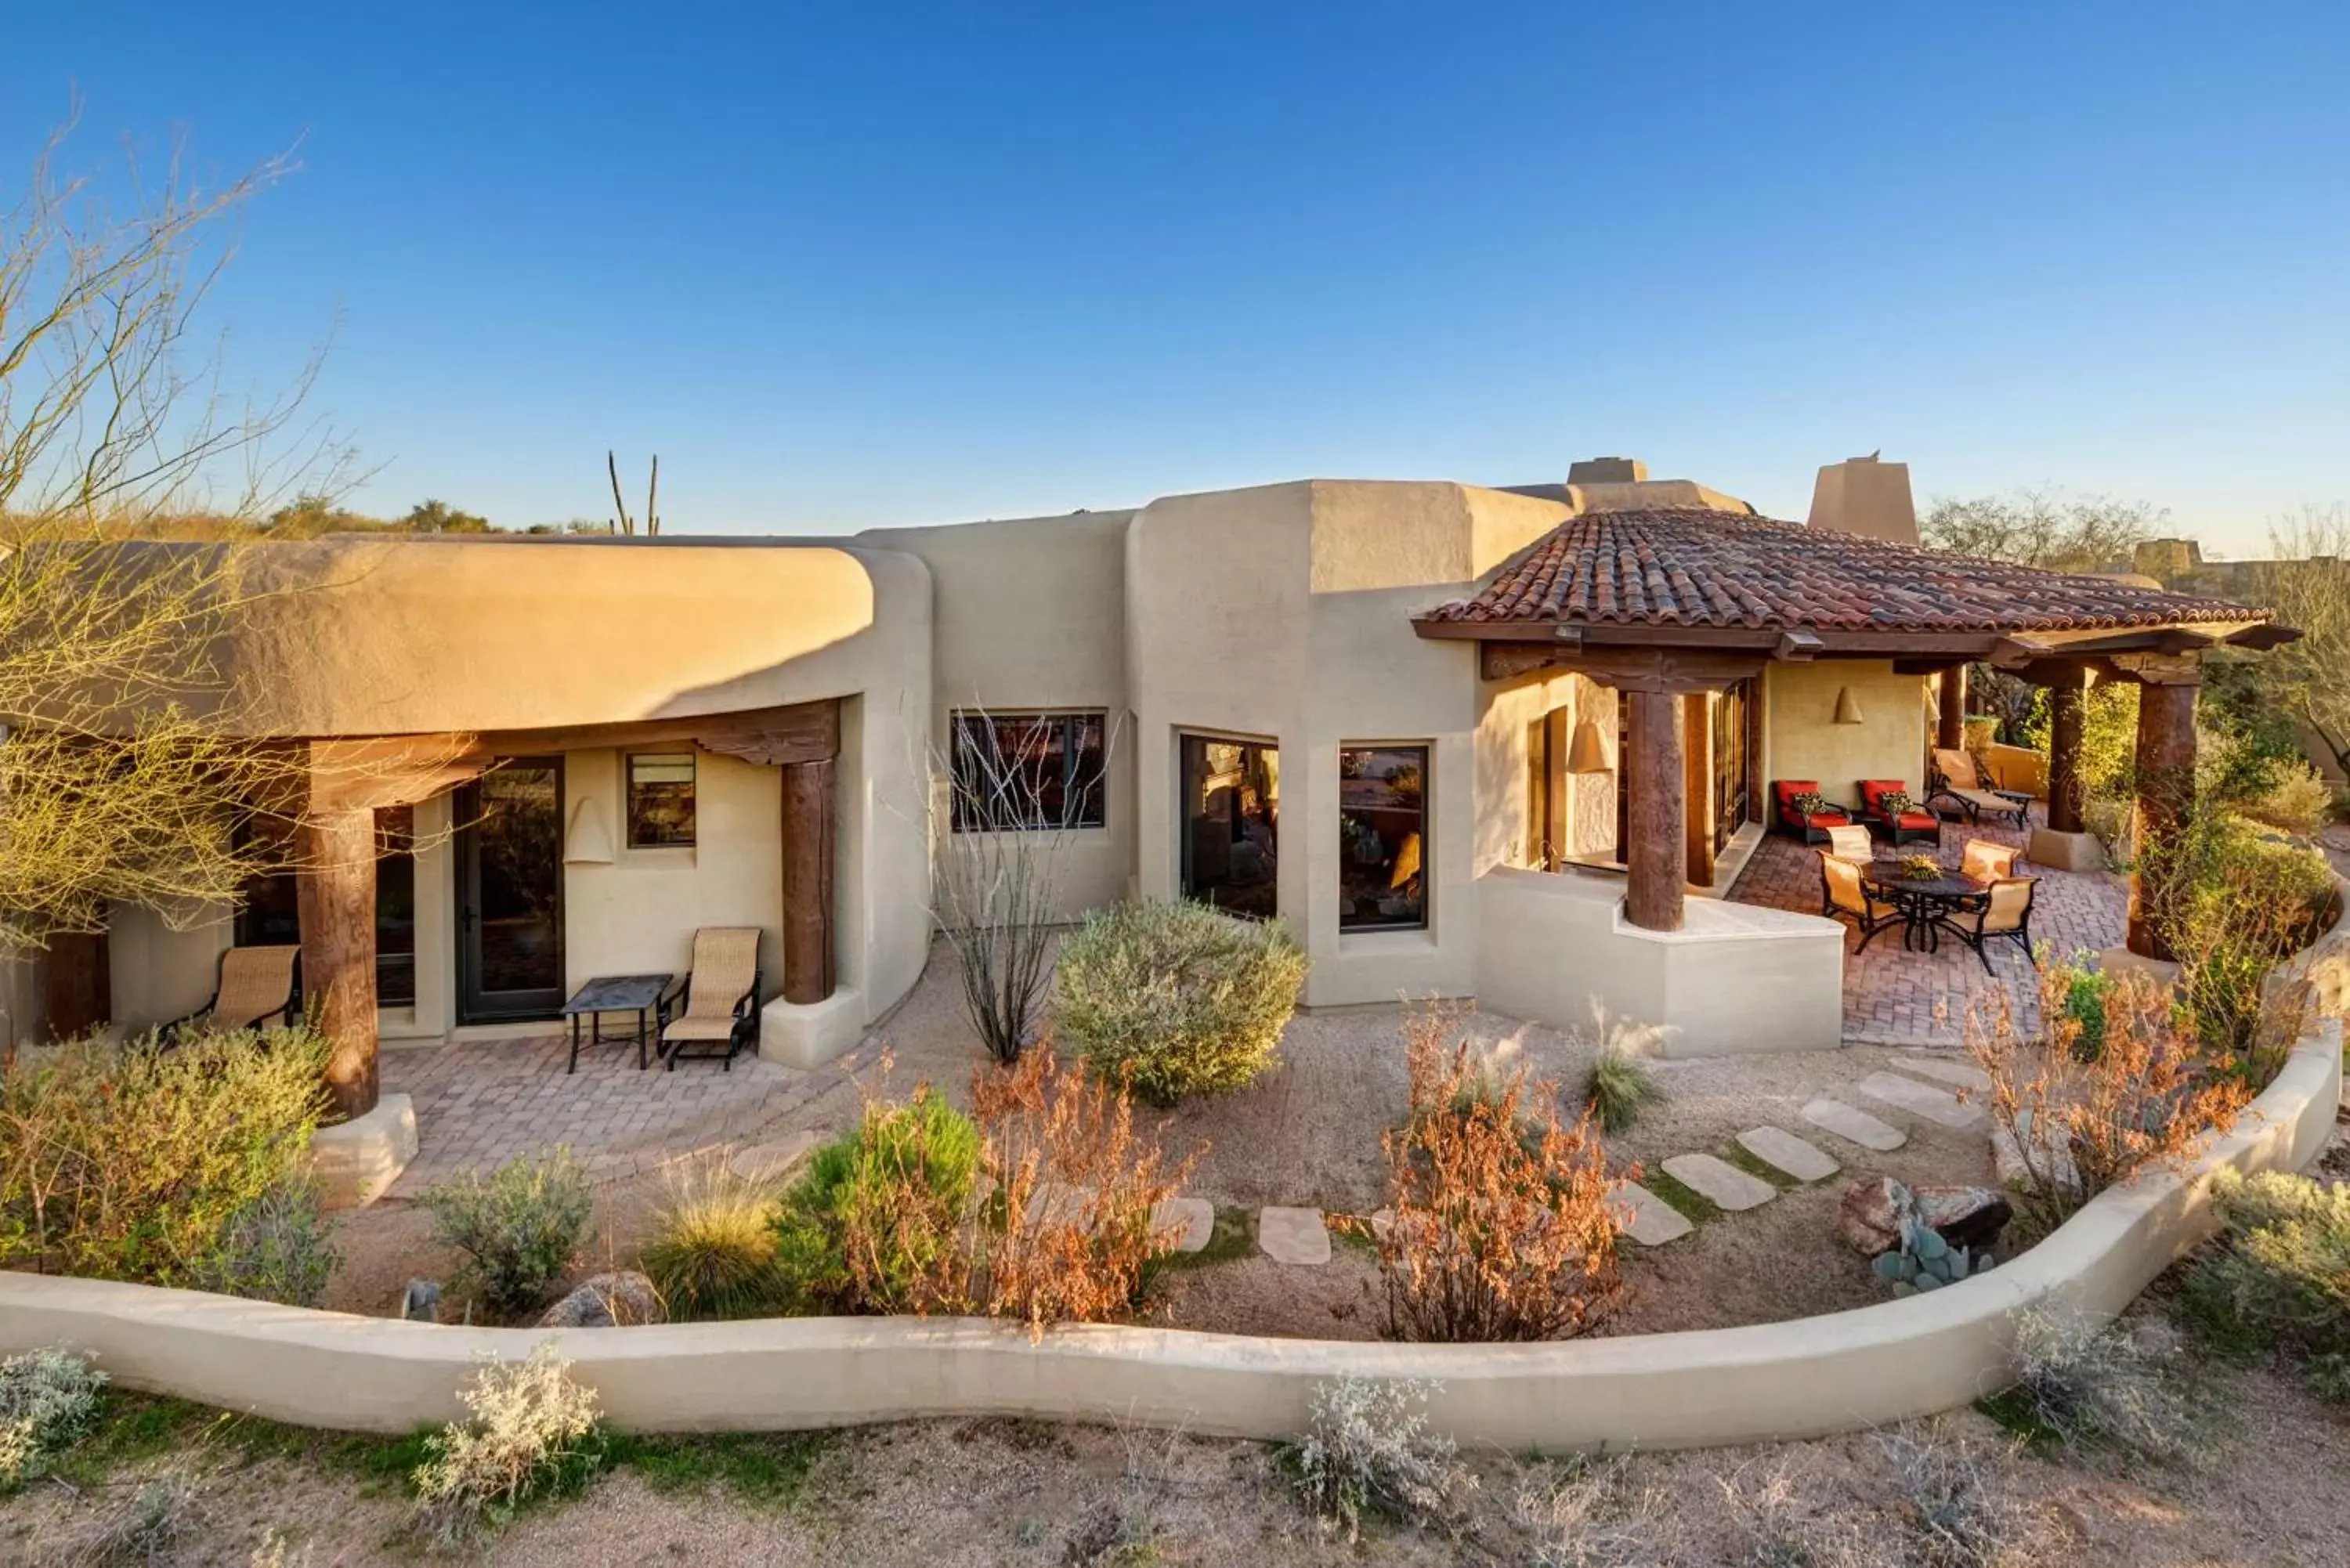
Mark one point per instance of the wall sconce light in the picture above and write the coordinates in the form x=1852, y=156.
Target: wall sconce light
x=1847, y=709
x=1587, y=753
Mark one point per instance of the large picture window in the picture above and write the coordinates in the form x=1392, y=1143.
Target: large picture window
x=661, y=799
x=271, y=912
x=1027, y=773
x=1232, y=825
x=1382, y=838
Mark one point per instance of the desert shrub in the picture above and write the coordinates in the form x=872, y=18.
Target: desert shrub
x=2237, y=903
x=148, y=1527
x=1951, y=1510
x=875, y=1223
x=2296, y=799
x=2087, y=1383
x=520, y=1228
x=126, y=1163
x=1503, y=1225
x=1588, y=1511
x=1176, y=999
x=2084, y=1006
x=2079, y=1125
x=2278, y=1277
x=1367, y=1448
x=532, y=1433
x=713, y=1254
x=1618, y=1085
x=49, y=1398
x=277, y=1248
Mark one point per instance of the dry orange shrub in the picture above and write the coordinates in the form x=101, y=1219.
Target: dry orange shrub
x=2083, y=1121
x=1504, y=1222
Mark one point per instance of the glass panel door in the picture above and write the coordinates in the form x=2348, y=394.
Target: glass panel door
x=510, y=891
x=1232, y=816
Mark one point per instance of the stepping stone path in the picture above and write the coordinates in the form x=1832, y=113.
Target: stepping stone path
x=1935, y=1105
x=1293, y=1235
x=1719, y=1182
x=1803, y=1161
x=1855, y=1125
x=1654, y=1221
x=769, y=1161
x=1196, y=1215
x=1964, y=1074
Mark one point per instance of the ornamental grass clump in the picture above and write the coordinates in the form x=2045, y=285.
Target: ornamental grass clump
x=1172, y=999
x=713, y=1254
x=520, y=1228
x=127, y=1162
x=2079, y=1125
x=1504, y=1222
x=532, y=1433
x=1617, y=1086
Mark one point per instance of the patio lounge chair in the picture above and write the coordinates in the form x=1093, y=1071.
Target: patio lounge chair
x=2004, y=911
x=1901, y=827
x=721, y=996
x=1843, y=894
x=1851, y=842
x=1957, y=780
x=1988, y=862
x=1811, y=829
x=254, y=986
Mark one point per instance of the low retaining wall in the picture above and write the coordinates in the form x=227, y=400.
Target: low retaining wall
x=1816, y=1376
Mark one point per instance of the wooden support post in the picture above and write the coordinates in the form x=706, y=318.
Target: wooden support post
x=807, y=880
x=77, y=984
x=2066, y=715
x=1697, y=786
x=1951, y=730
x=1653, y=850
x=1758, y=729
x=2165, y=795
x=335, y=891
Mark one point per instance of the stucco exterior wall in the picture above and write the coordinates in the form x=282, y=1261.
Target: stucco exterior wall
x=1805, y=742
x=1029, y=615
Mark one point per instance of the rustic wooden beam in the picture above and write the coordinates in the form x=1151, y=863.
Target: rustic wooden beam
x=1951, y=716
x=808, y=835
x=1756, y=741
x=334, y=883
x=1653, y=850
x=1936, y=664
x=2154, y=669
x=1672, y=669
x=797, y=732
x=1697, y=786
x=1799, y=647
x=1837, y=644
x=2166, y=797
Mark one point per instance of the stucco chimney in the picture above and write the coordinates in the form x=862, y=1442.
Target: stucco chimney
x=1608, y=471
x=1862, y=495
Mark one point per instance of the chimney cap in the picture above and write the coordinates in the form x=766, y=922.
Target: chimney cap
x=1608, y=471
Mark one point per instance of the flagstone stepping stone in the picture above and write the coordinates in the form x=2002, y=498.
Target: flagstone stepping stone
x=1719, y=1182
x=768, y=1161
x=1776, y=1146
x=1966, y=1075
x=1654, y=1221
x=1855, y=1125
x=1935, y=1105
x=1293, y=1235
x=1197, y=1216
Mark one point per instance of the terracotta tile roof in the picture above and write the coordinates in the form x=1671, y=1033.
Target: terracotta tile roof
x=1688, y=566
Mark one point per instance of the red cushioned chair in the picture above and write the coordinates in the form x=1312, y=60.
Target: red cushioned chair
x=1914, y=823
x=1811, y=829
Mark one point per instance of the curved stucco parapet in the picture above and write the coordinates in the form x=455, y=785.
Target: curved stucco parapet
x=1816, y=1376
x=366, y=637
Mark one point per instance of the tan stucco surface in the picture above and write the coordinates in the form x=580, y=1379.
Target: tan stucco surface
x=1805, y=741
x=1842, y=1372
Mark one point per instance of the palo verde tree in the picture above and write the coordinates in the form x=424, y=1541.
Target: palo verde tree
x=120, y=778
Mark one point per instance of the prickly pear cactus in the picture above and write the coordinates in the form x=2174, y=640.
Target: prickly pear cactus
x=1924, y=1261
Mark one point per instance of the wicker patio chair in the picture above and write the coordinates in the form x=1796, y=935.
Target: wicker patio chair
x=252, y=987
x=1957, y=780
x=721, y=998
x=1843, y=894
x=2006, y=911
x=1899, y=828
x=1988, y=862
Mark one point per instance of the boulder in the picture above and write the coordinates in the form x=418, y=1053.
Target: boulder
x=608, y=1300
x=1969, y=1217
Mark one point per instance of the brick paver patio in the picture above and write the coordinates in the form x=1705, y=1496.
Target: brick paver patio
x=482, y=1103
x=1895, y=997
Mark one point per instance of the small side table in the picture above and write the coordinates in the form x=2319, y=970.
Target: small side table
x=637, y=993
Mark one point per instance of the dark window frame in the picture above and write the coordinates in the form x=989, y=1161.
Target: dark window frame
x=629, y=800
x=1350, y=923
x=1085, y=794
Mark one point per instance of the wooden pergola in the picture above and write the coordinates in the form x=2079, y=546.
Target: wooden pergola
x=1668, y=607
x=351, y=778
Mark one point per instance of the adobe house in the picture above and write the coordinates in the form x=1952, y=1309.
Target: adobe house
x=1511, y=743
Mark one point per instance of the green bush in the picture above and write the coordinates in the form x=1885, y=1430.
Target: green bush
x=2085, y=1004
x=519, y=1230
x=2279, y=1275
x=713, y=1254
x=533, y=1433
x=868, y=1228
x=1185, y=1000
x=49, y=1398
x=127, y=1163
x=2241, y=903
x=277, y=1248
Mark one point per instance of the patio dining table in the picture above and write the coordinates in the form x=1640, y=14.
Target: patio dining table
x=1924, y=904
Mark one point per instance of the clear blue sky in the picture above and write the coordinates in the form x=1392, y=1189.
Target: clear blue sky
x=850, y=265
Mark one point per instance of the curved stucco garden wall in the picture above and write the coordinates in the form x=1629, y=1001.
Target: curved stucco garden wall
x=1816, y=1376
